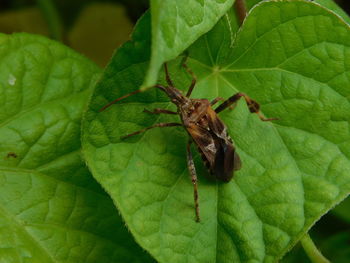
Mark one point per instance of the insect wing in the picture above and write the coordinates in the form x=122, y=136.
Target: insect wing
x=223, y=164
x=205, y=142
x=226, y=158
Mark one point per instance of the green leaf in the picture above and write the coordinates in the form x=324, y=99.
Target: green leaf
x=51, y=209
x=291, y=57
x=176, y=25
x=330, y=4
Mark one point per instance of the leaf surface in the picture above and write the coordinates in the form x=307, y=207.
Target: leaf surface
x=176, y=25
x=51, y=209
x=330, y=4
x=291, y=56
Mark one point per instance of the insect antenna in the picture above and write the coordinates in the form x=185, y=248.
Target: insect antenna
x=189, y=71
x=128, y=95
x=168, y=79
x=119, y=99
x=167, y=75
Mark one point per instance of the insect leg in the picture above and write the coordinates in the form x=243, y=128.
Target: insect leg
x=241, y=10
x=128, y=95
x=192, y=170
x=118, y=99
x=167, y=75
x=194, y=78
x=216, y=100
x=231, y=100
x=160, y=111
x=253, y=106
x=169, y=124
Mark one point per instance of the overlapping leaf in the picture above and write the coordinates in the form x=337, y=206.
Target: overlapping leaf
x=330, y=4
x=291, y=56
x=51, y=209
x=176, y=25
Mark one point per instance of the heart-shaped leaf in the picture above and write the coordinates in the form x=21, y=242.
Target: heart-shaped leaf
x=291, y=56
x=176, y=25
x=51, y=209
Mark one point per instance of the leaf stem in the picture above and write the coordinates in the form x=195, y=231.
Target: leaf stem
x=241, y=10
x=311, y=250
x=52, y=18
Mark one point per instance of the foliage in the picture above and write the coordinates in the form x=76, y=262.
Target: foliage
x=288, y=56
x=291, y=56
x=51, y=210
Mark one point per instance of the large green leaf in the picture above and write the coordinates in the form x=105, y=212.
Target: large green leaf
x=176, y=24
x=291, y=56
x=51, y=209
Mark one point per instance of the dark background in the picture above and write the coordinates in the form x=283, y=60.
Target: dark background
x=135, y=7
x=345, y=4
x=70, y=8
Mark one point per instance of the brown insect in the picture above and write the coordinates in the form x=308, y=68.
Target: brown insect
x=11, y=154
x=204, y=127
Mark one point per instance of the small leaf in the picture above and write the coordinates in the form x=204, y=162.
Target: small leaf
x=51, y=209
x=176, y=25
x=291, y=57
x=330, y=4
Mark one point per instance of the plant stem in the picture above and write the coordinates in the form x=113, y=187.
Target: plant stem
x=241, y=10
x=311, y=250
x=52, y=18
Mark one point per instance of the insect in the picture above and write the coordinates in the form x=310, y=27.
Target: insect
x=11, y=154
x=204, y=128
